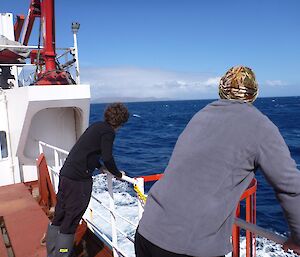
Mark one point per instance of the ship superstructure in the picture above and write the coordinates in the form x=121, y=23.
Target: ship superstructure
x=40, y=98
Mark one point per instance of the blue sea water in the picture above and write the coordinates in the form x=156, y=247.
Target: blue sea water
x=144, y=145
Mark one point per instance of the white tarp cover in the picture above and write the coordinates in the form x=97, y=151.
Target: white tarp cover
x=17, y=54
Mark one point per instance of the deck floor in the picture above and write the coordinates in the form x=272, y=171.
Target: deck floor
x=24, y=220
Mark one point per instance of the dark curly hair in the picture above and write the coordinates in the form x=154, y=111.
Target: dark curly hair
x=116, y=114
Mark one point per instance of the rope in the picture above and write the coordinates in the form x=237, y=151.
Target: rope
x=140, y=195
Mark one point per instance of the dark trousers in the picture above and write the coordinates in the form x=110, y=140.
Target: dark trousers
x=144, y=248
x=72, y=200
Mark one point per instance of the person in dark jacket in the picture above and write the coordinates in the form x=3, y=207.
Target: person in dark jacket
x=191, y=210
x=75, y=182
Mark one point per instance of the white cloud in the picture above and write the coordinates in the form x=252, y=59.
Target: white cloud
x=275, y=83
x=142, y=82
x=214, y=82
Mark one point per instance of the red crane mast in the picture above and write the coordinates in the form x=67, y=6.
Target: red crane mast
x=49, y=72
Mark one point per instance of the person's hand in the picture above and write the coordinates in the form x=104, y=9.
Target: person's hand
x=101, y=169
x=123, y=174
x=291, y=245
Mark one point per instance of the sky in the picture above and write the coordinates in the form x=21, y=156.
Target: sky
x=179, y=49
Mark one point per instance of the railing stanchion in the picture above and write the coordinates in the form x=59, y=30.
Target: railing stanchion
x=57, y=168
x=236, y=236
x=140, y=184
x=248, y=233
x=254, y=221
x=91, y=215
x=112, y=215
x=40, y=147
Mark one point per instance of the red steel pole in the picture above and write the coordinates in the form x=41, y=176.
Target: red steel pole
x=236, y=235
x=48, y=20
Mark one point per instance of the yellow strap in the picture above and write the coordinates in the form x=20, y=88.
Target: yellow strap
x=63, y=250
x=141, y=196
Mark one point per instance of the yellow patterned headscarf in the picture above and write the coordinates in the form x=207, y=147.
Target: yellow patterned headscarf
x=239, y=83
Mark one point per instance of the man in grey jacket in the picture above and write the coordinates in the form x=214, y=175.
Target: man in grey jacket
x=190, y=211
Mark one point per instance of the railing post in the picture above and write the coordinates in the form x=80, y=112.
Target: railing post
x=248, y=233
x=56, y=160
x=40, y=147
x=57, y=167
x=250, y=218
x=140, y=184
x=236, y=236
x=60, y=163
x=250, y=210
x=254, y=221
x=112, y=215
x=91, y=214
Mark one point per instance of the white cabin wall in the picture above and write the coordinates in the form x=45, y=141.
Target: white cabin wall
x=60, y=127
x=57, y=115
x=29, y=173
x=24, y=103
x=55, y=126
x=9, y=168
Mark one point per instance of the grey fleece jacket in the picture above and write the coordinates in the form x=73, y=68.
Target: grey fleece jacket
x=191, y=209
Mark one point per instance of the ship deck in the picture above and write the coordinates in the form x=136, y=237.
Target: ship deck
x=23, y=223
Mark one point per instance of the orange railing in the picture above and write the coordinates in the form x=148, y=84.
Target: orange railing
x=151, y=178
x=249, y=196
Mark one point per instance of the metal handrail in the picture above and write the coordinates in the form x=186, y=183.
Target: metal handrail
x=105, y=238
x=279, y=239
x=34, y=47
x=17, y=64
x=54, y=171
x=21, y=46
x=116, y=213
x=119, y=230
x=53, y=147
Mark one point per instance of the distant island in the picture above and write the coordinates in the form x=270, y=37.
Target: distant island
x=127, y=99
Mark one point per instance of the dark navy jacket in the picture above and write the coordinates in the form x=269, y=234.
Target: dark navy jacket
x=94, y=144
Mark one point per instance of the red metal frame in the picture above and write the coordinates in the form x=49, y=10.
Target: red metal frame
x=33, y=12
x=18, y=26
x=236, y=235
x=47, y=16
x=47, y=196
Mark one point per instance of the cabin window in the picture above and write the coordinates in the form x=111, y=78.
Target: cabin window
x=3, y=145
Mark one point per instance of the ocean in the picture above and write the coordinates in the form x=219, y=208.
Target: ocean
x=144, y=145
